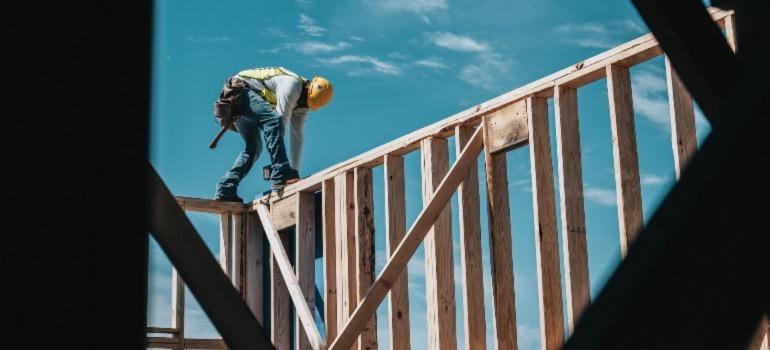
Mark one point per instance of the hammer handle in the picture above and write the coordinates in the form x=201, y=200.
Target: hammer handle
x=221, y=132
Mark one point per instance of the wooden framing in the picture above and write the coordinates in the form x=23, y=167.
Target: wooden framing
x=237, y=261
x=304, y=242
x=546, y=240
x=395, y=226
x=177, y=308
x=290, y=280
x=345, y=246
x=225, y=243
x=364, y=252
x=280, y=300
x=284, y=212
x=500, y=251
x=682, y=112
x=571, y=203
x=439, y=262
x=507, y=127
x=330, y=259
x=628, y=188
x=470, y=250
x=254, y=265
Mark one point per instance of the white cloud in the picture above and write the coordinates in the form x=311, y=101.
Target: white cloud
x=487, y=72
x=650, y=98
x=312, y=47
x=598, y=35
x=652, y=179
x=356, y=38
x=431, y=62
x=457, y=42
x=596, y=28
x=601, y=196
x=308, y=25
x=208, y=39
x=366, y=65
x=416, y=6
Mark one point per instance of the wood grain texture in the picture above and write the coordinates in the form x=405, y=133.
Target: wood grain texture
x=395, y=226
x=347, y=292
x=470, y=250
x=439, y=262
x=364, y=238
x=628, y=188
x=177, y=308
x=683, y=139
x=305, y=260
x=209, y=205
x=396, y=264
x=280, y=302
x=546, y=239
x=507, y=127
x=284, y=212
x=254, y=265
x=330, y=259
x=501, y=255
x=239, y=226
x=571, y=203
x=225, y=243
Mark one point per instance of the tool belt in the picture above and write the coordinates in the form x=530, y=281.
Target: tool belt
x=228, y=104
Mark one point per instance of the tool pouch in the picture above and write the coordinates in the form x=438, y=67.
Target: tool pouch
x=228, y=104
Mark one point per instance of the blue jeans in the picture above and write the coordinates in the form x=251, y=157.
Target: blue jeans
x=258, y=118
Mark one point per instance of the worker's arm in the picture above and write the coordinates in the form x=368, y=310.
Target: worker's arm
x=298, y=119
x=287, y=92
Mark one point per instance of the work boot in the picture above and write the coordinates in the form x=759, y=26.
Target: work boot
x=228, y=198
x=281, y=184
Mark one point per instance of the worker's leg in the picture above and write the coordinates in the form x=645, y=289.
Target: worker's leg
x=248, y=128
x=272, y=128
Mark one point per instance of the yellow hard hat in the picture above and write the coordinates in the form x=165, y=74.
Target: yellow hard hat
x=319, y=93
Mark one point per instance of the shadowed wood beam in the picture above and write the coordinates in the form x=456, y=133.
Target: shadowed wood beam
x=290, y=279
x=330, y=259
x=571, y=203
x=280, y=302
x=628, y=188
x=364, y=233
x=682, y=112
x=546, y=239
x=200, y=271
x=304, y=241
x=225, y=243
x=470, y=250
x=501, y=255
x=409, y=244
x=439, y=262
x=239, y=227
x=760, y=339
x=730, y=32
x=209, y=205
x=395, y=226
x=254, y=261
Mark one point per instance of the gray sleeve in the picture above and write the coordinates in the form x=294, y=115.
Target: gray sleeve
x=297, y=136
x=287, y=92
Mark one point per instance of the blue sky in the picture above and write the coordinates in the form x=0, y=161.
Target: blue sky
x=397, y=66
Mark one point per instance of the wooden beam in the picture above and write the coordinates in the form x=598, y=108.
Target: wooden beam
x=330, y=259
x=507, y=127
x=283, y=213
x=364, y=234
x=470, y=250
x=682, y=112
x=760, y=339
x=177, y=307
x=291, y=282
x=546, y=238
x=305, y=260
x=627, y=185
x=409, y=244
x=571, y=203
x=345, y=244
x=164, y=329
x=630, y=53
x=225, y=243
x=209, y=205
x=439, y=262
x=501, y=255
x=254, y=261
x=199, y=269
x=239, y=226
x=729, y=23
x=395, y=226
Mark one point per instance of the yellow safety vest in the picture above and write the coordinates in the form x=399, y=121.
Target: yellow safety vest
x=265, y=73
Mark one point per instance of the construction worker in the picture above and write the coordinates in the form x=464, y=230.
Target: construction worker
x=272, y=98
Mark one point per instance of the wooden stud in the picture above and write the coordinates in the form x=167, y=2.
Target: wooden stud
x=177, y=308
x=284, y=212
x=571, y=203
x=439, y=264
x=254, y=265
x=470, y=250
x=291, y=282
x=627, y=185
x=208, y=205
x=364, y=239
x=730, y=31
x=501, y=255
x=395, y=226
x=345, y=244
x=546, y=240
x=225, y=242
x=683, y=138
x=330, y=259
x=237, y=257
x=280, y=303
x=396, y=264
x=305, y=259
